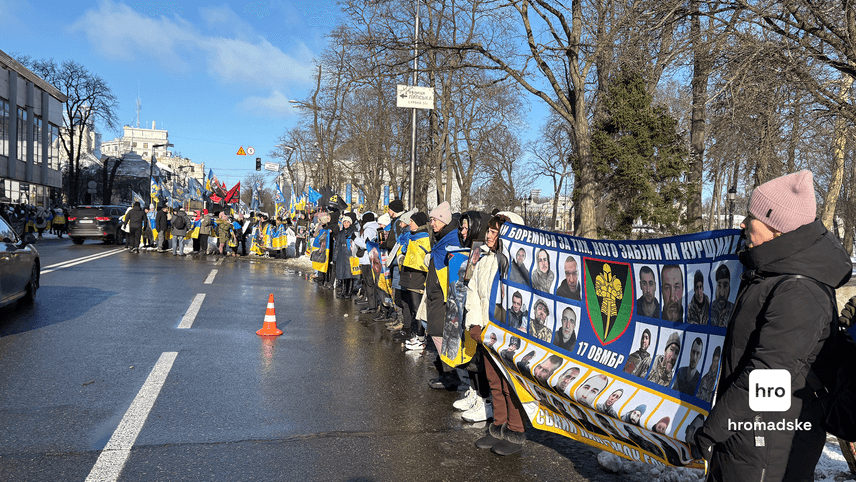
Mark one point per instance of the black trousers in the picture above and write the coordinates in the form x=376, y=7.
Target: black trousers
x=369, y=286
x=411, y=300
x=134, y=237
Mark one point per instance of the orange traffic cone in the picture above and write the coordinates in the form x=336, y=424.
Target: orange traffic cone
x=269, y=327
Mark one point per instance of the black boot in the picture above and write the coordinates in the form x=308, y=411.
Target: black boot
x=382, y=313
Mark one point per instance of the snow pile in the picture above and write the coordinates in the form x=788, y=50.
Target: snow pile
x=831, y=467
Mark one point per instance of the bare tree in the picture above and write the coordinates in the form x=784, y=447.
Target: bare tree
x=90, y=101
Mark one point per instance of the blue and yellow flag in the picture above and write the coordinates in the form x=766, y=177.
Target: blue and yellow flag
x=155, y=191
x=279, y=201
x=137, y=198
x=312, y=195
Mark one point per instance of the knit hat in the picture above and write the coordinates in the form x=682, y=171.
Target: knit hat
x=405, y=218
x=396, y=206
x=384, y=220
x=368, y=217
x=350, y=217
x=785, y=203
x=443, y=213
x=420, y=218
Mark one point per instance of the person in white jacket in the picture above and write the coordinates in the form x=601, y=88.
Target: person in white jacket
x=505, y=435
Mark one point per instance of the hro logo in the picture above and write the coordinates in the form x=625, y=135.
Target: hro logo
x=769, y=390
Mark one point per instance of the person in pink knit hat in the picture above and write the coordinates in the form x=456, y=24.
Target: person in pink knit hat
x=780, y=322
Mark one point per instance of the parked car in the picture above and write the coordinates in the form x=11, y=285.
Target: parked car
x=96, y=222
x=20, y=266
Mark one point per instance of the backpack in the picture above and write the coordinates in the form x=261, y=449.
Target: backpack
x=179, y=222
x=832, y=377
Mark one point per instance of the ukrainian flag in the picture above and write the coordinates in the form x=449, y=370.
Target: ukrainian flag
x=279, y=240
x=155, y=191
x=193, y=229
x=415, y=251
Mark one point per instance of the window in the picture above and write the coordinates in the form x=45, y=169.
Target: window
x=133, y=144
x=53, y=151
x=145, y=145
x=22, y=134
x=37, y=141
x=4, y=127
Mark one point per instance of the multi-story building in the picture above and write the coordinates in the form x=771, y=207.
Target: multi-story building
x=30, y=120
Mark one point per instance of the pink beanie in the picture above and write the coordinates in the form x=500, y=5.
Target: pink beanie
x=785, y=203
x=443, y=213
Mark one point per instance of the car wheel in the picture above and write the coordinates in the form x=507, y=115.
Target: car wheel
x=77, y=240
x=33, y=285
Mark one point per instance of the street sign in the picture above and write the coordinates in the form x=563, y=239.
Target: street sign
x=241, y=152
x=415, y=96
x=271, y=166
x=251, y=151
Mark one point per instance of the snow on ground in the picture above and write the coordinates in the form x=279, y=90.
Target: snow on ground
x=831, y=467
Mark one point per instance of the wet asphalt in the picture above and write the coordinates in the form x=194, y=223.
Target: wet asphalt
x=332, y=399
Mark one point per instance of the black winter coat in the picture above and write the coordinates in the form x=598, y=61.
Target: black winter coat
x=135, y=218
x=161, y=222
x=343, y=254
x=786, y=333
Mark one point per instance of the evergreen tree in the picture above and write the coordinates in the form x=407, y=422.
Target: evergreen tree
x=641, y=160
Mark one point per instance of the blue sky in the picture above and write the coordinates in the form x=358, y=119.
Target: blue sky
x=218, y=76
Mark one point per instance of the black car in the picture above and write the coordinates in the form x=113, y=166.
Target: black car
x=96, y=222
x=20, y=266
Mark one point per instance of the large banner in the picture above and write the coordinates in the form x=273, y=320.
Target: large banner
x=612, y=343
x=458, y=348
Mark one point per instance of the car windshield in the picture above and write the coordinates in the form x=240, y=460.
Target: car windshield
x=7, y=234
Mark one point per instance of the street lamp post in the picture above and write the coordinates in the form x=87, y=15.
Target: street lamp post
x=526, y=202
x=732, y=195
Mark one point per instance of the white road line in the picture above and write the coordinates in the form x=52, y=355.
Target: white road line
x=210, y=279
x=87, y=259
x=76, y=259
x=191, y=313
x=112, y=459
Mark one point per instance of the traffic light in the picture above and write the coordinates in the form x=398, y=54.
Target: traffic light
x=258, y=163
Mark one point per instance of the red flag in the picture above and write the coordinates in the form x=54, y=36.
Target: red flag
x=233, y=195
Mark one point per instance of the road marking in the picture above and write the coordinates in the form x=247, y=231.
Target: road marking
x=112, y=459
x=210, y=279
x=191, y=313
x=69, y=264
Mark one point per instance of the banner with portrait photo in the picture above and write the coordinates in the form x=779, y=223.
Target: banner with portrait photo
x=458, y=347
x=377, y=261
x=319, y=251
x=615, y=343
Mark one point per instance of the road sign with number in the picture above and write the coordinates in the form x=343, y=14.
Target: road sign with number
x=251, y=151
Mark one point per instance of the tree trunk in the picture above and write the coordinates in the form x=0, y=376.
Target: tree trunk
x=701, y=71
x=830, y=201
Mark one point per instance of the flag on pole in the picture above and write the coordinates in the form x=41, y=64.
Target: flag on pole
x=155, y=191
x=279, y=201
x=137, y=198
x=313, y=195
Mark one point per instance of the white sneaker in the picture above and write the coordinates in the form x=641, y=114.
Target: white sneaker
x=416, y=344
x=465, y=402
x=481, y=410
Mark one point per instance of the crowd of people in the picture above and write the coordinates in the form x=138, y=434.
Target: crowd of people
x=221, y=233
x=35, y=219
x=414, y=308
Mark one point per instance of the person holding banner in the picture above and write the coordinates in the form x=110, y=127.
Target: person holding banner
x=445, y=235
x=779, y=322
x=369, y=233
x=344, y=254
x=135, y=219
x=505, y=435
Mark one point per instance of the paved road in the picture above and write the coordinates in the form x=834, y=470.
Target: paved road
x=333, y=398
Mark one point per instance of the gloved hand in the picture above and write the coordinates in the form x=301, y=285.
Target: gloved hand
x=701, y=447
x=847, y=313
x=475, y=333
